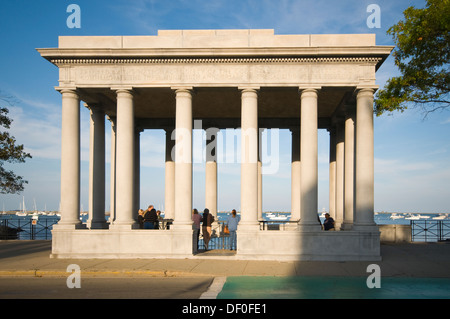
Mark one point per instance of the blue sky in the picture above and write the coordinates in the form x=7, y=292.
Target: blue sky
x=412, y=154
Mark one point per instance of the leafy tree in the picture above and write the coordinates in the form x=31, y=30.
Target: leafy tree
x=10, y=183
x=422, y=55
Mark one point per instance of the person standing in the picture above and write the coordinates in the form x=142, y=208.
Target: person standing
x=328, y=223
x=196, y=218
x=150, y=218
x=232, y=222
x=207, y=220
x=141, y=218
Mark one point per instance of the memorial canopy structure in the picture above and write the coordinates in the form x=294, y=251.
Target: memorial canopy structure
x=247, y=79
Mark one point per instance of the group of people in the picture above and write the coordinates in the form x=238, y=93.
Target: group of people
x=206, y=221
x=149, y=219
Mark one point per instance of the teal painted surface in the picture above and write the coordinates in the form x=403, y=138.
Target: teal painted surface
x=334, y=288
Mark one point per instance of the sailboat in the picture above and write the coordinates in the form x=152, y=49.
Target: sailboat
x=24, y=211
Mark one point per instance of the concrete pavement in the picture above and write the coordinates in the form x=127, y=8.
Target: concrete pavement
x=32, y=258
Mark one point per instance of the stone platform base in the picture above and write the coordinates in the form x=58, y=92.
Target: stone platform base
x=319, y=245
x=252, y=245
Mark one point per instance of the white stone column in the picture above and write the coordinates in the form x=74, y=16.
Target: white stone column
x=349, y=167
x=260, y=188
x=309, y=160
x=211, y=171
x=332, y=173
x=169, y=185
x=97, y=169
x=70, y=161
x=340, y=146
x=125, y=161
x=112, y=199
x=364, y=160
x=295, y=174
x=137, y=172
x=249, y=160
x=183, y=160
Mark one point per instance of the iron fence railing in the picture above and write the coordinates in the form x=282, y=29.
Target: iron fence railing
x=430, y=230
x=26, y=229
x=40, y=229
x=219, y=239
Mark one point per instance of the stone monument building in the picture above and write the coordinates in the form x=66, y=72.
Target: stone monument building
x=247, y=79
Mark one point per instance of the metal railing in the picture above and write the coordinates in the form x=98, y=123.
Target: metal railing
x=219, y=239
x=430, y=230
x=40, y=229
x=26, y=229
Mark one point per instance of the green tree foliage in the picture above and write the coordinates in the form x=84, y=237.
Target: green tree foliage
x=422, y=55
x=10, y=183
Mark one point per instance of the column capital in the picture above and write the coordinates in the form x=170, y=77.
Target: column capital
x=112, y=119
x=309, y=90
x=94, y=107
x=293, y=129
x=366, y=90
x=66, y=89
x=123, y=91
x=183, y=89
x=254, y=89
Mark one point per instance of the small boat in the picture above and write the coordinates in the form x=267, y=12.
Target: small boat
x=272, y=216
x=396, y=216
x=441, y=217
x=413, y=217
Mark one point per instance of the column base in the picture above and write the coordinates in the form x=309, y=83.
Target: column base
x=97, y=225
x=182, y=227
x=127, y=226
x=249, y=226
x=309, y=227
x=69, y=226
x=346, y=226
x=370, y=227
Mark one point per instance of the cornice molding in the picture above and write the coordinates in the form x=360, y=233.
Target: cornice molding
x=370, y=60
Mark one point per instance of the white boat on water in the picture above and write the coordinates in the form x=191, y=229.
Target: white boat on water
x=396, y=216
x=274, y=216
x=417, y=217
x=440, y=217
x=23, y=210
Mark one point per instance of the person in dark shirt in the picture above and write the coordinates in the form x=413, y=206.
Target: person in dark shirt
x=150, y=218
x=328, y=223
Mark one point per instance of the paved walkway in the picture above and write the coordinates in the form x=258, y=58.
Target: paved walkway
x=31, y=258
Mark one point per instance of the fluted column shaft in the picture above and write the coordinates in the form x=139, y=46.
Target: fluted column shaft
x=169, y=185
x=183, y=159
x=249, y=159
x=211, y=172
x=364, y=183
x=309, y=160
x=70, y=160
x=97, y=169
x=125, y=160
x=349, y=168
x=295, y=175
